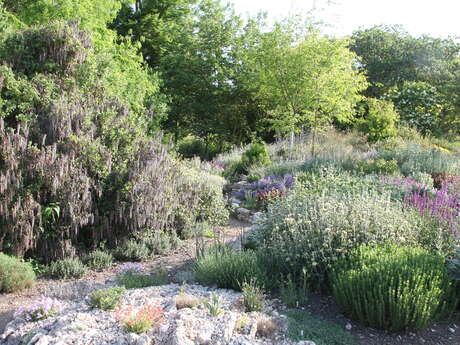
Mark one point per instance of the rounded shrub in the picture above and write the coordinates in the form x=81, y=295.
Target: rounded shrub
x=99, y=259
x=66, y=269
x=132, y=250
x=107, y=299
x=256, y=155
x=391, y=287
x=14, y=274
x=325, y=218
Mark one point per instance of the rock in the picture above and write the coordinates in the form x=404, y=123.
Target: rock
x=253, y=329
x=230, y=324
x=132, y=338
x=144, y=340
x=79, y=324
x=35, y=340
x=44, y=340
x=243, y=211
x=303, y=342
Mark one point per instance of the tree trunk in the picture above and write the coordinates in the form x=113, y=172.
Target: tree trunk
x=313, y=141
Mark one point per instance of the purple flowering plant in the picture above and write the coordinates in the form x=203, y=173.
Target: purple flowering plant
x=40, y=309
x=441, y=204
x=268, y=184
x=444, y=205
x=131, y=268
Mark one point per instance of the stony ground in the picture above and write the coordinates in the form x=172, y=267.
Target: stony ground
x=78, y=324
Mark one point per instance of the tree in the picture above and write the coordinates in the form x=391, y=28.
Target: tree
x=418, y=73
x=203, y=71
x=151, y=22
x=419, y=104
x=305, y=79
x=390, y=57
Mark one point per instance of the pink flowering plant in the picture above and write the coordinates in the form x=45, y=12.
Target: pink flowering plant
x=40, y=309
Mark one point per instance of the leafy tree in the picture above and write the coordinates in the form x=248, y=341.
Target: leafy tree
x=305, y=79
x=151, y=23
x=407, y=67
x=202, y=72
x=390, y=57
x=419, y=104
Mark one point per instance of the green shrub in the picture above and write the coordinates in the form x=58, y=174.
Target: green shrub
x=424, y=178
x=194, y=147
x=378, y=166
x=256, y=155
x=277, y=169
x=14, y=274
x=380, y=121
x=132, y=280
x=106, y=299
x=132, y=250
x=66, y=268
x=253, y=296
x=303, y=326
x=390, y=287
x=99, y=259
x=313, y=225
x=234, y=171
x=160, y=242
x=226, y=267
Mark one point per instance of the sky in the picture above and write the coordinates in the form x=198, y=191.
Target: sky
x=438, y=18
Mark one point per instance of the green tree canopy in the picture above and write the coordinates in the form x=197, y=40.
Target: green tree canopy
x=304, y=79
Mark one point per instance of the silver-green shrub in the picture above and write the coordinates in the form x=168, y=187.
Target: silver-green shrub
x=201, y=198
x=312, y=229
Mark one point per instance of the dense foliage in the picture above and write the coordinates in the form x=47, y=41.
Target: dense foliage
x=391, y=287
x=14, y=274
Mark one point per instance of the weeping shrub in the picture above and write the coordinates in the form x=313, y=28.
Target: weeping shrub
x=79, y=163
x=394, y=288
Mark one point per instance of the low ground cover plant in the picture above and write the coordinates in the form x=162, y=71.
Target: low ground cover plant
x=15, y=275
x=393, y=288
x=40, y=309
x=140, y=319
x=66, y=269
x=303, y=326
x=106, y=299
x=132, y=280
